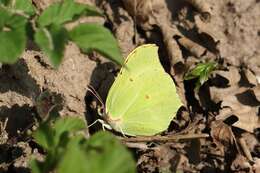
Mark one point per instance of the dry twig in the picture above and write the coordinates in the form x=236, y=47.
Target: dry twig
x=163, y=138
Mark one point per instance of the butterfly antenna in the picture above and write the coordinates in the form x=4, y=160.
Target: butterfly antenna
x=97, y=96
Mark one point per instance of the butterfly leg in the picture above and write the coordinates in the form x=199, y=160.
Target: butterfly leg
x=103, y=123
x=93, y=123
x=121, y=130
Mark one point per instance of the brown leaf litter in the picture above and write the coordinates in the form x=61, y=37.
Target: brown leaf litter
x=237, y=100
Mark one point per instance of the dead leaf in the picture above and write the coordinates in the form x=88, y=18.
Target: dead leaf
x=251, y=77
x=256, y=166
x=222, y=136
x=195, y=49
x=157, y=158
x=148, y=14
x=123, y=25
x=241, y=165
x=239, y=101
x=251, y=141
x=179, y=163
x=202, y=6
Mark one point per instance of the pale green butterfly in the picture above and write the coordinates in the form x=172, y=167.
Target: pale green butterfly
x=143, y=100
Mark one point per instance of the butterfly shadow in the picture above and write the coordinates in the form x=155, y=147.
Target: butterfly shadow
x=101, y=80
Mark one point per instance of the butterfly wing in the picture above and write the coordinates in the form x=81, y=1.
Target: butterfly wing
x=143, y=98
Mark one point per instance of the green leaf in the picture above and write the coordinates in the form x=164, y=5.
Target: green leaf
x=202, y=72
x=59, y=13
x=113, y=156
x=54, y=139
x=204, y=76
x=102, y=153
x=93, y=37
x=49, y=137
x=4, y=18
x=4, y=2
x=66, y=125
x=200, y=69
x=36, y=166
x=195, y=72
x=74, y=159
x=25, y=6
x=52, y=41
x=44, y=136
x=12, y=36
x=49, y=162
x=19, y=7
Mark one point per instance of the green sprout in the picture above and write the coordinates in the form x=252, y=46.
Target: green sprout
x=68, y=150
x=202, y=71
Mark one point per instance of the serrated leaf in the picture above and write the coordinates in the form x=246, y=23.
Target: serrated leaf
x=74, y=158
x=102, y=153
x=195, y=72
x=20, y=7
x=54, y=139
x=68, y=124
x=12, y=36
x=44, y=136
x=204, y=76
x=202, y=72
x=49, y=162
x=93, y=37
x=200, y=69
x=113, y=156
x=59, y=13
x=48, y=137
x=52, y=41
x=25, y=6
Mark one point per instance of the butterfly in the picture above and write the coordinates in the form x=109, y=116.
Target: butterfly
x=143, y=99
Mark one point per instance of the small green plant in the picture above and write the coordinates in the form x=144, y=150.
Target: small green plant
x=69, y=151
x=202, y=71
x=20, y=21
